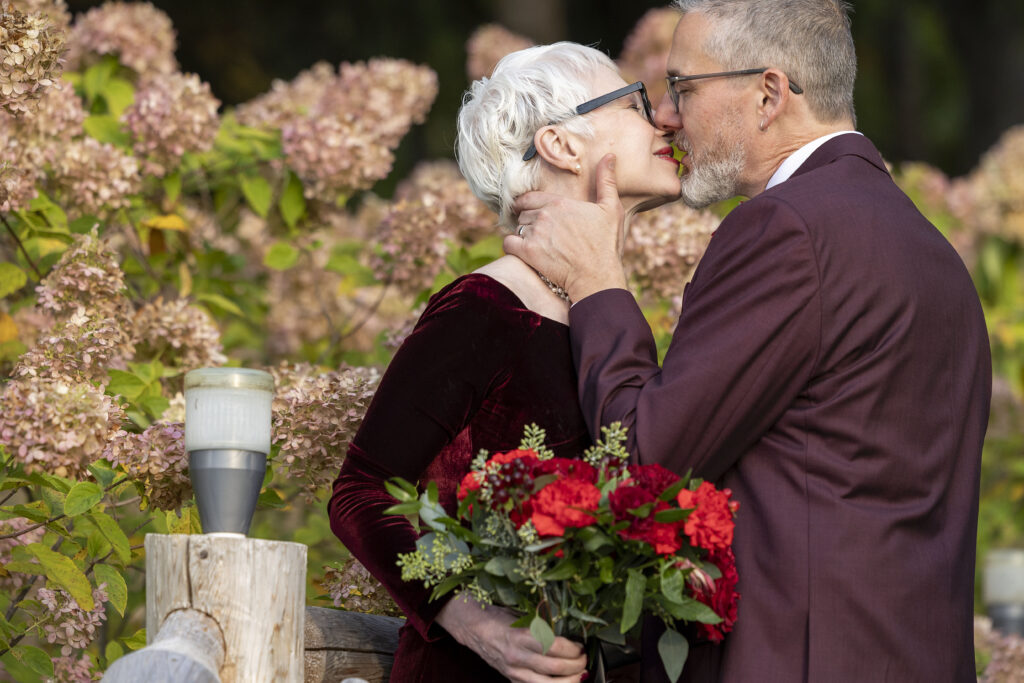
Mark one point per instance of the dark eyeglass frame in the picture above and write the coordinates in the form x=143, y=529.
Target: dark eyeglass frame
x=672, y=80
x=591, y=105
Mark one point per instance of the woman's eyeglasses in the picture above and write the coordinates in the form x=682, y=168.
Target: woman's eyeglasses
x=591, y=105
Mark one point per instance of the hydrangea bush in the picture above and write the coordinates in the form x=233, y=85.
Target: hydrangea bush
x=147, y=231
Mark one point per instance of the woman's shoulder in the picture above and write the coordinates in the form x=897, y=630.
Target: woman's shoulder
x=474, y=290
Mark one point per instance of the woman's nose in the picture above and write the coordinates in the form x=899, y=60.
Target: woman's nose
x=666, y=117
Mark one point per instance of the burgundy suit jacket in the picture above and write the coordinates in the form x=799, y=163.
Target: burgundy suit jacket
x=831, y=366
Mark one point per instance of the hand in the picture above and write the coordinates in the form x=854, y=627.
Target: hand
x=513, y=652
x=575, y=244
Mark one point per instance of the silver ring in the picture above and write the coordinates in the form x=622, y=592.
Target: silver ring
x=521, y=229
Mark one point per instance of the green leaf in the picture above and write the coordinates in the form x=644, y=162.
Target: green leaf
x=672, y=491
x=401, y=489
x=631, y=608
x=117, y=589
x=409, y=508
x=221, y=302
x=125, y=384
x=270, y=499
x=62, y=571
x=82, y=497
x=671, y=515
x=281, y=256
x=113, y=652
x=114, y=535
x=106, y=128
x=12, y=278
x=33, y=658
x=692, y=610
x=54, y=500
x=119, y=95
x=103, y=473
x=672, y=585
x=25, y=567
x=292, y=203
x=96, y=77
x=36, y=511
x=155, y=406
x=172, y=186
x=96, y=545
x=257, y=192
x=136, y=641
x=541, y=630
x=674, y=649
x=562, y=571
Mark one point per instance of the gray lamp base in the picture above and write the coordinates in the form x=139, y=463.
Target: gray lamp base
x=1007, y=619
x=227, y=484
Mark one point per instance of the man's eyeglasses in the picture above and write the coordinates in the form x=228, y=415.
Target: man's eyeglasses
x=674, y=94
x=591, y=105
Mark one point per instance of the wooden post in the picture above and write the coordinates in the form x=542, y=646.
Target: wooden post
x=253, y=590
x=343, y=644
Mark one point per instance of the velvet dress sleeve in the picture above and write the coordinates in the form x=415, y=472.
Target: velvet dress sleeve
x=745, y=344
x=463, y=347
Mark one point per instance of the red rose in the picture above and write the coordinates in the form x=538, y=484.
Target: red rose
x=653, y=478
x=563, y=503
x=723, y=598
x=711, y=524
x=626, y=498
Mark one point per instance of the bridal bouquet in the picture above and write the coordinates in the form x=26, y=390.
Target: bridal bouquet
x=581, y=548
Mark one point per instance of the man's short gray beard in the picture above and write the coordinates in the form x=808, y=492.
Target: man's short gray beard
x=714, y=179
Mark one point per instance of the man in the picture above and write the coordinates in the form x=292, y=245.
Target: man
x=830, y=366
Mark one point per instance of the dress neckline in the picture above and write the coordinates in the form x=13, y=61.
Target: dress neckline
x=513, y=295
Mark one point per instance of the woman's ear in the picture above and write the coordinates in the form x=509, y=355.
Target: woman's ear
x=559, y=148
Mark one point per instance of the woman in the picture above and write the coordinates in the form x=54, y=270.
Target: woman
x=491, y=352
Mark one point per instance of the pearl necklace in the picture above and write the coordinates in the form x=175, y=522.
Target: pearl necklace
x=561, y=293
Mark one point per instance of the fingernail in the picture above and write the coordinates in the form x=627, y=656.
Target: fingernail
x=585, y=675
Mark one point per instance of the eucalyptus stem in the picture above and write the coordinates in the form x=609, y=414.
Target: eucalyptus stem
x=21, y=246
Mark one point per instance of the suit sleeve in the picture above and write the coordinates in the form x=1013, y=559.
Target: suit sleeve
x=743, y=349
x=459, y=350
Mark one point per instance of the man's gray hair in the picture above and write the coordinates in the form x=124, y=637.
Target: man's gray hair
x=528, y=90
x=810, y=40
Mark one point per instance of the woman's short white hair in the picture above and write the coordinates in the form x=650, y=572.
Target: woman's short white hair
x=528, y=90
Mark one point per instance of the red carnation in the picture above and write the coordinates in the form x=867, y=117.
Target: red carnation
x=563, y=503
x=470, y=482
x=711, y=524
x=509, y=456
x=566, y=468
x=662, y=536
x=723, y=597
x=653, y=478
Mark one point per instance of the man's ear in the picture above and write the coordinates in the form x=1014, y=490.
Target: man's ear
x=774, y=96
x=559, y=147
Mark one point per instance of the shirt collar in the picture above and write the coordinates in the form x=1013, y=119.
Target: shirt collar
x=795, y=160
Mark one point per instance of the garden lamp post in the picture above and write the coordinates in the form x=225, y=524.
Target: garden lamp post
x=227, y=436
x=1003, y=589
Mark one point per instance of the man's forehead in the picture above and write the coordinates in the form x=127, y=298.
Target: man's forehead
x=686, y=55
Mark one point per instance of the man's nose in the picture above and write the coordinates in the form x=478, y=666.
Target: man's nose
x=666, y=117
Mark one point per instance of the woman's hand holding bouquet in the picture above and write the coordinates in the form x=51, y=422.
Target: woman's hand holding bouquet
x=581, y=548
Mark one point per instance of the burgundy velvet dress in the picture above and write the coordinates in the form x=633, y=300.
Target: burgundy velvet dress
x=478, y=367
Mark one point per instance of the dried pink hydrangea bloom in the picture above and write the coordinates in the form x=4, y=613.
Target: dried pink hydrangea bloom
x=15, y=581
x=140, y=35
x=75, y=670
x=338, y=131
x=31, y=46
x=69, y=625
x=81, y=348
x=993, y=201
x=664, y=245
x=56, y=427
x=86, y=276
x=433, y=206
x=179, y=333
x=645, y=51
x=17, y=187
x=487, y=45
x=54, y=120
x=353, y=588
x=315, y=416
x=95, y=178
x=55, y=10
x=1005, y=652
x=156, y=458
x=172, y=114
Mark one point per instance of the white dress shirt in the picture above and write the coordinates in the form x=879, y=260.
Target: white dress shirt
x=797, y=158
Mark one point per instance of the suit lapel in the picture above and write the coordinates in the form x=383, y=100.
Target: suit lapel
x=840, y=146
